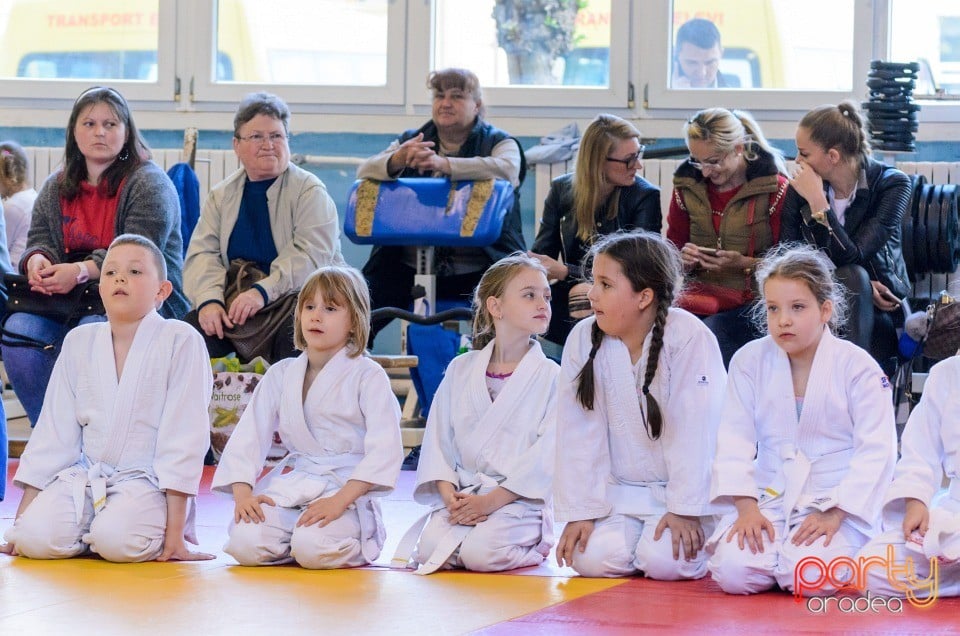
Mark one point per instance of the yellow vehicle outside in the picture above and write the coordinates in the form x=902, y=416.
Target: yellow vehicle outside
x=752, y=47
x=105, y=40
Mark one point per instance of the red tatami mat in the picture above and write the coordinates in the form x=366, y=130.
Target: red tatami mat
x=697, y=607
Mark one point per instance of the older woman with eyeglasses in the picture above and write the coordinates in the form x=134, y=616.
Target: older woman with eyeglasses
x=603, y=195
x=269, y=214
x=724, y=214
x=457, y=143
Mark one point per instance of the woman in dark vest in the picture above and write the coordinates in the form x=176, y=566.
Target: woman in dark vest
x=724, y=214
x=456, y=143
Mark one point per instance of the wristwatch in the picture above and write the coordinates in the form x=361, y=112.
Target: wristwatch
x=84, y=274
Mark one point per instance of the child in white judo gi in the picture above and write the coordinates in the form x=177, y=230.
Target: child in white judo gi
x=118, y=449
x=340, y=420
x=640, y=390
x=807, y=439
x=921, y=520
x=486, y=464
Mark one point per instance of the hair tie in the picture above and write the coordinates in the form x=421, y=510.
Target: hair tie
x=844, y=112
x=6, y=153
x=646, y=389
x=593, y=352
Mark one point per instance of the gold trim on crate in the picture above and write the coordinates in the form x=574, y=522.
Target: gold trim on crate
x=479, y=197
x=367, y=193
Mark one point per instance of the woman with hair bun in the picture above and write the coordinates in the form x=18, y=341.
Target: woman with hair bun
x=851, y=206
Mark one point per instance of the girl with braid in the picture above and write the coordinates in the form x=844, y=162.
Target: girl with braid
x=640, y=390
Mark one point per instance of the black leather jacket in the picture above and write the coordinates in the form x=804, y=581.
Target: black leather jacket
x=870, y=234
x=639, y=207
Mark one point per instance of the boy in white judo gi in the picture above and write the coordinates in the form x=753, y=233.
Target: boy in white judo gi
x=118, y=450
x=921, y=519
x=807, y=439
x=640, y=390
x=340, y=420
x=486, y=465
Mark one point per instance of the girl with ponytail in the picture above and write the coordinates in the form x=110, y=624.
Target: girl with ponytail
x=486, y=463
x=641, y=385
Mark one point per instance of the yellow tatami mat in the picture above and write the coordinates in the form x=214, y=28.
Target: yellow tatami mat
x=90, y=596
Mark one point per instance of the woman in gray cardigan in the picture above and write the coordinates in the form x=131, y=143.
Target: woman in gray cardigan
x=108, y=186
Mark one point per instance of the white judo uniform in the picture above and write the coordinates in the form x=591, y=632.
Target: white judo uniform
x=840, y=451
x=106, y=448
x=608, y=469
x=929, y=449
x=347, y=428
x=478, y=444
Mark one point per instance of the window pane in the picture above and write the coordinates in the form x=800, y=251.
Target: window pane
x=928, y=31
x=79, y=39
x=525, y=42
x=324, y=42
x=780, y=44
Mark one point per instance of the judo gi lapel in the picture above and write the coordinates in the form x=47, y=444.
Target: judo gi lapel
x=493, y=414
x=796, y=466
x=819, y=385
x=293, y=423
x=620, y=385
x=121, y=395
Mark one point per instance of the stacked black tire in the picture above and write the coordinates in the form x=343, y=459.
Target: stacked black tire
x=930, y=229
x=891, y=111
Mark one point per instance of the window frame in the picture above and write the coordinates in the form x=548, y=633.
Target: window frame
x=615, y=96
x=655, y=67
x=205, y=90
x=638, y=41
x=133, y=90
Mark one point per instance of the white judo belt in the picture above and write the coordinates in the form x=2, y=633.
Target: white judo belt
x=447, y=544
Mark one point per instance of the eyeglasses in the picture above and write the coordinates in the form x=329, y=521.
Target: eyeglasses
x=260, y=139
x=713, y=164
x=632, y=159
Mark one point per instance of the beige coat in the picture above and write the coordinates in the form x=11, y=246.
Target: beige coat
x=303, y=221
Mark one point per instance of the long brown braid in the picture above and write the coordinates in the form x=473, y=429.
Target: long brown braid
x=649, y=261
x=654, y=418
x=585, y=385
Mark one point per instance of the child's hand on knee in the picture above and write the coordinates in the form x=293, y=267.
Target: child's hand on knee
x=469, y=509
x=322, y=512
x=916, y=518
x=683, y=529
x=574, y=537
x=750, y=526
x=248, y=509
x=819, y=524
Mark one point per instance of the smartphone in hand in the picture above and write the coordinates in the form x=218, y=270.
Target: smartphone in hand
x=712, y=251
